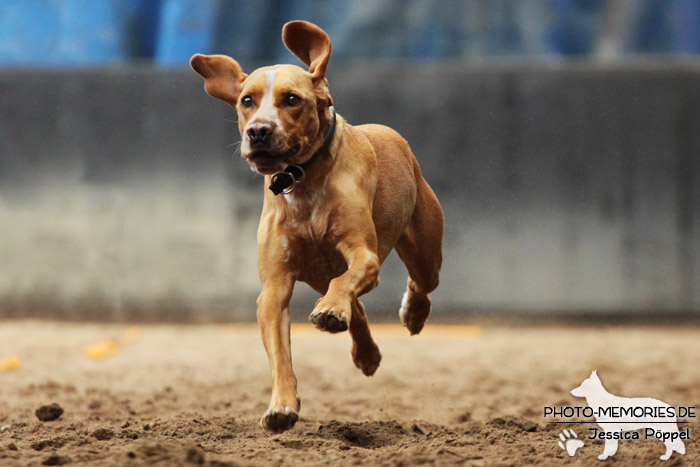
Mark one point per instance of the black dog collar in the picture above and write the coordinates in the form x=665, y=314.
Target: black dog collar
x=283, y=182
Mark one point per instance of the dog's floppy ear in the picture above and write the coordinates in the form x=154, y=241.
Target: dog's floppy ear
x=308, y=42
x=222, y=76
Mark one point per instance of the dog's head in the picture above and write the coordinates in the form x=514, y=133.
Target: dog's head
x=283, y=109
x=590, y=385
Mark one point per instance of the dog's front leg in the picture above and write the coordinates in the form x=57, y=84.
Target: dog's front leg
x=609, y=449
x=333, y=311
x=273, y=318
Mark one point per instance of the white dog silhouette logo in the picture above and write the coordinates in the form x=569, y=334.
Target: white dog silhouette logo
x=616, y=414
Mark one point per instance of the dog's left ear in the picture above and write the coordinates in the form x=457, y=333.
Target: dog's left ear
x=308, y=42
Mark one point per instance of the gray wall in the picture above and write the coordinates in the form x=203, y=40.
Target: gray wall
x=565, y=188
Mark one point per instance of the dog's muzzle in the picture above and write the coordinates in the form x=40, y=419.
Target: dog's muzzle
x=263, y=155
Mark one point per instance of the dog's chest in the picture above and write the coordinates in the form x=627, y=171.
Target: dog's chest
x=313, y=257
x=309, y=243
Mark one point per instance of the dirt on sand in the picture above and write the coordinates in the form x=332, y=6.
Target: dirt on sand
x=193, y=395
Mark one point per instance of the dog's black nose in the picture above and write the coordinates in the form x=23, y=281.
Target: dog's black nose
x=259, y=133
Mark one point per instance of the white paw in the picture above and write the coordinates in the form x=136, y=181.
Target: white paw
x=570, y=442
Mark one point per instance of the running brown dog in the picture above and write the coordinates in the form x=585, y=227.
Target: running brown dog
x=341, y=198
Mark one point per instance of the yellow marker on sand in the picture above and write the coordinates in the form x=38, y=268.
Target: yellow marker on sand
x=101, y=350
x=10, y=363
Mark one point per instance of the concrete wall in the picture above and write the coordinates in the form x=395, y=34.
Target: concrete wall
x=565, y=187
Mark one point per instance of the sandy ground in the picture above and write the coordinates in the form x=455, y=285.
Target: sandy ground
x=187, y=395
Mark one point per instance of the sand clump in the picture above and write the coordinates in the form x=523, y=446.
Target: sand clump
x=49, y=413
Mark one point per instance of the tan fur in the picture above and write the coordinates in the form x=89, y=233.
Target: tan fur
x=362, y=196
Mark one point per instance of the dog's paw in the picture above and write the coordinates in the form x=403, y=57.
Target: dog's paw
x=279, y=419
x=570, y=442
x=414, y=311
x=329, y=318
x=366, y=358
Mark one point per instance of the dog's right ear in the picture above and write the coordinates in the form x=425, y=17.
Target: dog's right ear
x=222, y=75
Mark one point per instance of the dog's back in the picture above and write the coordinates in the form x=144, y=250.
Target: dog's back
x=396, y=191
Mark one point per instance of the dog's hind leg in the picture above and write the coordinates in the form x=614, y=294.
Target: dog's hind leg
x=365, y=352
x=679, y=447
x=420, y=249
x=671, y=446
x=667, y=455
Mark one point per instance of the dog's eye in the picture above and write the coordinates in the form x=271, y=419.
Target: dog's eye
x=247, y=101
x=293, y=100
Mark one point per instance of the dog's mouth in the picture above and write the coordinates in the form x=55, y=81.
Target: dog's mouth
x=267, y=163
x=268, y=157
